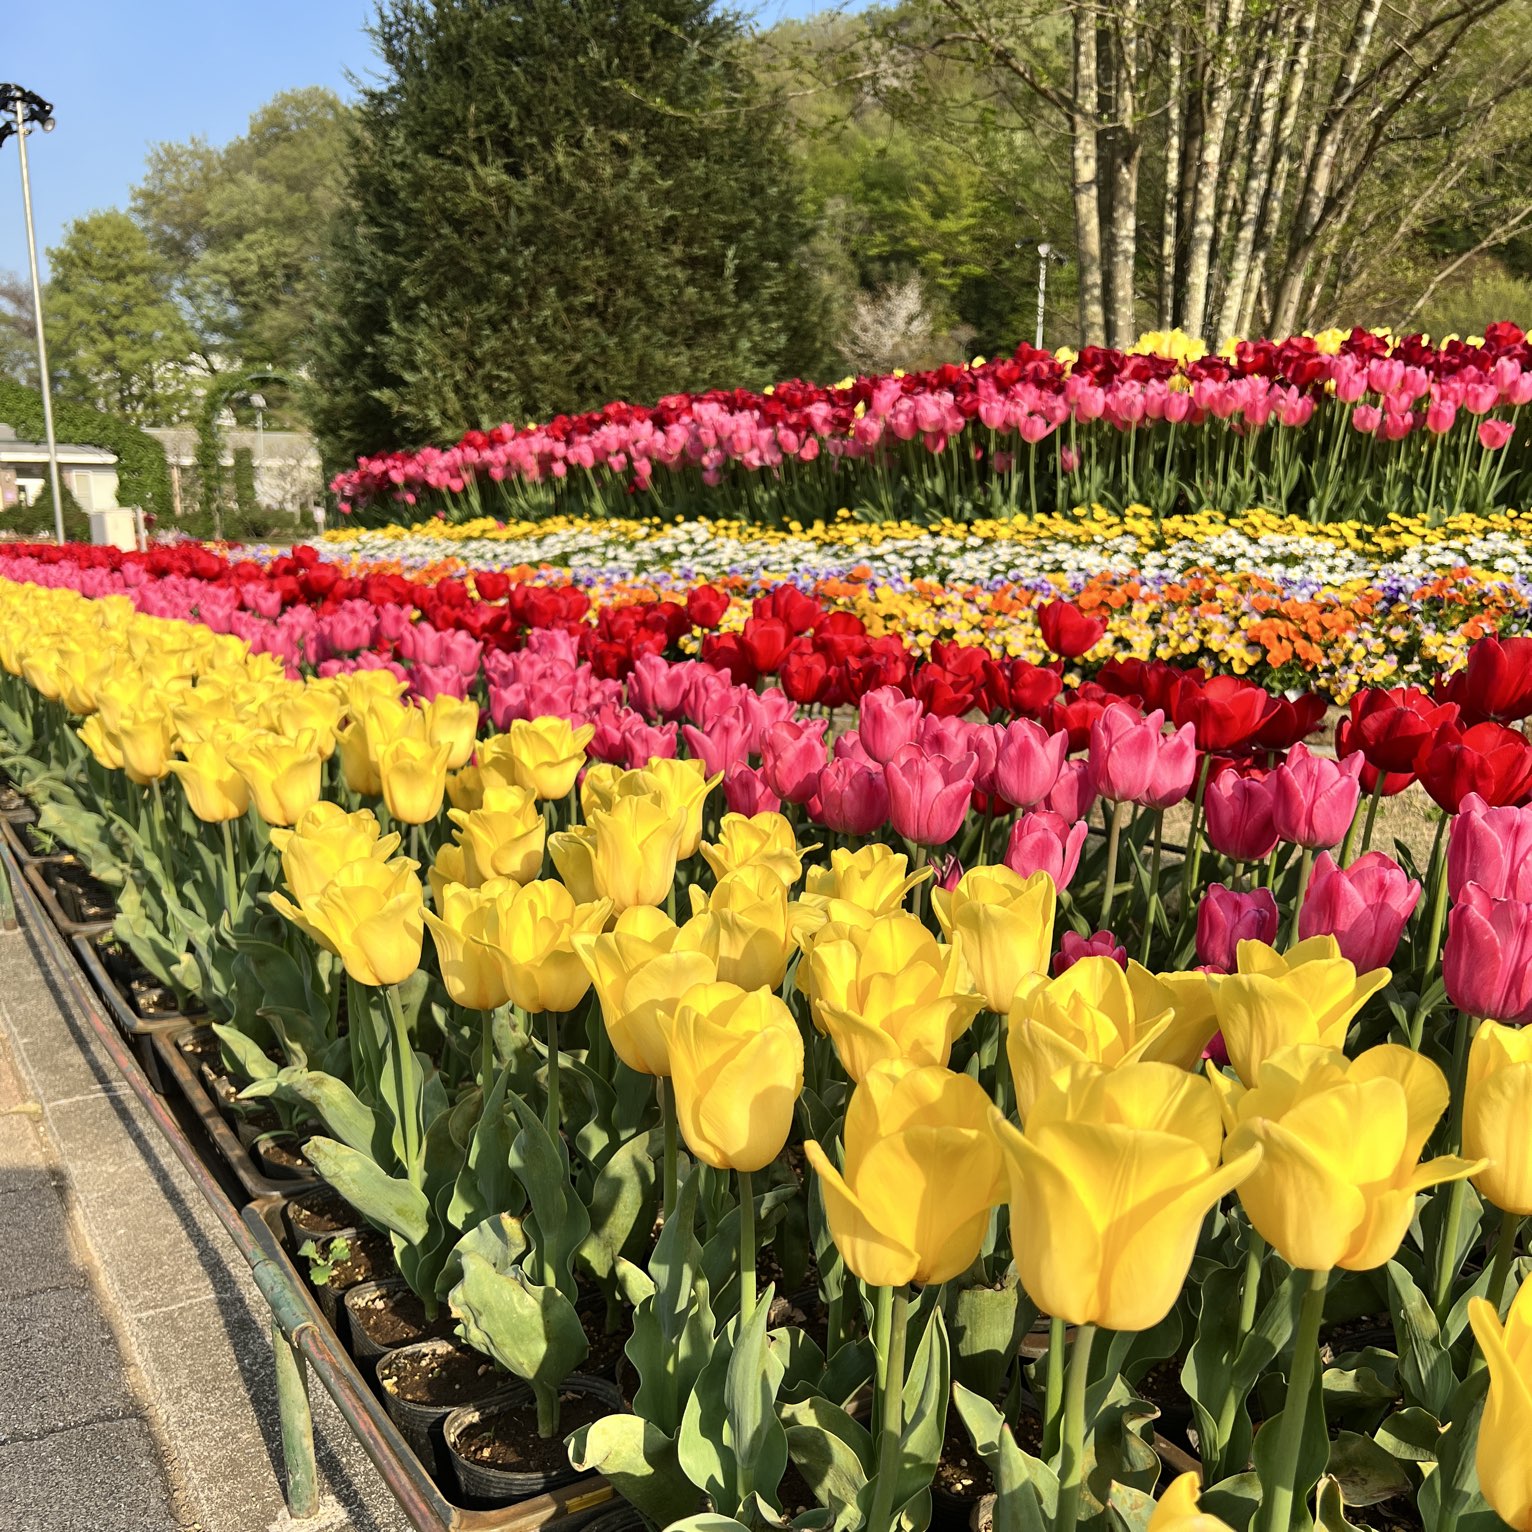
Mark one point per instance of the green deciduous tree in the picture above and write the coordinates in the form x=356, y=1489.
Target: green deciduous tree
x=117, y=341
x=552, y=205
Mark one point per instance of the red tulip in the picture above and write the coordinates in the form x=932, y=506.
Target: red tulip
x=1487, y=759
x=1226, y=712
x=1389, y=728
x=1495, y=683
x=1067, y=631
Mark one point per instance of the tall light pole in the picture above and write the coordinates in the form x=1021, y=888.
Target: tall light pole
x=1045, y=253
x=28, y=108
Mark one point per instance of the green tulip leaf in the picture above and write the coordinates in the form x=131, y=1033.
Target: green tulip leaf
x=755, y=1374
x=333, y=1101
x=392, y=1204
x=1330, y=1507
x=556, y=1222
x=1450, y=1497
x=1425, y=1367
x=1026, y=1489
x=1313, y=1445
x=530, y=1330
x=1129, y=1509
x=246, y=1058
x=803, y=1363
x=833, y=1470
x=486, y=1183
x=986, y=1326
x=1366, y=1473
x=1234, y=1500
x=1120, y=1450
x=622, y=1206
x=1412, y=1435
x=708, y=1522
x=640, y=1460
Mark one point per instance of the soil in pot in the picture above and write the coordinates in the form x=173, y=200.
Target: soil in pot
x=11, y=802
x=507, y=1439
x=80, y=896
x=389, y=1315
x=369, y=1256
x=152, y=1000
x=606, y=1346
x=439, y=1375
x=281, y=1158
x=962, y=1479
x=319, y=1213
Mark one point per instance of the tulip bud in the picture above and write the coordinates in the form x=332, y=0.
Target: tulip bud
x=283, y=775
x=503, y=838
x=541, y=755
x=213, y=788
x=1491, y=847
x=759, y=840
x=1001, y=925
x=370, y=915
x=1500, y=1455
x=463, y=934
x=1363, y=906
x=324, y=839
x=1487, y=962
x=922, y=1171
x=1497, y=1109
x=1314, y=799
x=928, y=795
x=1238, y=812
x=736, y=1063
x=414, y=777
x=1044, y=842
x=1226, y=918
x=1073, y=947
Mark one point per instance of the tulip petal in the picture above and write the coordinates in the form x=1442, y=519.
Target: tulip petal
x=1298, y=1205
x=1504, y=1465
x=868, y=1251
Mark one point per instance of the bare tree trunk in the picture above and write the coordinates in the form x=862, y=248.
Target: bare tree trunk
x=1205, y=199
x=1322, y=170
x=1239, y=147
x=1271, y=209
x=1257, y=179
x=1085, y=177
x=1174, y=109
x=1127, y=148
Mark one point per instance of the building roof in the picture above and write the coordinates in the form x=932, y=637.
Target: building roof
x=34, y=452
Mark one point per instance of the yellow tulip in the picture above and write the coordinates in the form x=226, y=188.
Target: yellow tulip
x=1189, y=996
x=465, y=789
x=634, y=848
x=306, y=707
x=213, y=788
x=1501, y=1456
x=889, y=991
x=683, y=786
x=736, y=1062
x=1497, y=1114
x=922, y=1171
x=542, y=755
x=871, y=880
x=449, y=866
x=1090, y=1014
x=464, y=933
x=573, y=853
x=534, y=944
x=323, y=840
x=453, y=722
x=639, y=973
x=502, y=839
x=1112, y=1178
x=414, y=777
x=600, y=788
x=760, y=840
x=282, y=774
x=1179, y=1510
x=1307, y=995
x=145, y=739
x=747, y=926
x=356, y=762
x=1002, y=925
x=101, y=742
x=1342, y=1140
x=370, y=915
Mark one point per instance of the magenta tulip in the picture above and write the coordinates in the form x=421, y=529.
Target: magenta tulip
x=1073, y=796
x=792, y=756
x=1225, y=918
x=1044, y=842
x=887, y=720
x=1073, y=947
x=1491, y=847
x=852, y=798
x=1487, y=964
x=1028, y=763
x=928, y=795
x=747, y=792
x=1314, y=799
x=1238, y=815
x=1363, y=906
x=1124, y=748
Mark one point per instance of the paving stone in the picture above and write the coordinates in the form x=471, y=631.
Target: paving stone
x=107, y=1475
x=21, y=1145
x=34, y=1236
x=59, y=1365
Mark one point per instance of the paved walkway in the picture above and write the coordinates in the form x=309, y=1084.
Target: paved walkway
x=136, y=1383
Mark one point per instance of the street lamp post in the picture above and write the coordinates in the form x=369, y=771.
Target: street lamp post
x=28, y=108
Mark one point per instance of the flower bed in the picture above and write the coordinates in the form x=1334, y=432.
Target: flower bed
x=776, y=1124
x=1339, y=423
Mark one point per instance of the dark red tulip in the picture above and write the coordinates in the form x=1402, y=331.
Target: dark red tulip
x=1067, y=631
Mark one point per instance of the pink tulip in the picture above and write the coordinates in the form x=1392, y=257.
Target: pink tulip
x=851, y=798
x=887, y=720
x=1124, y=747
x=1043, y=842
x=792, y=756
x=1073, y=796
x=1363, y=906
x=1490, y=847
x=1238, y=815
x=1313, y=799
x=1487, y=963
x=1175, y=769
x=657, y=688
x=928, y=795
x=1494, y=434
x=747, y=792
x=1028, y=762
x=1226, y=918
x=949, y=873
x=1073, y=947
x=721, y=745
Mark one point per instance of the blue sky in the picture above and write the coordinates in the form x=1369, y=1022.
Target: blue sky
x=124, y=74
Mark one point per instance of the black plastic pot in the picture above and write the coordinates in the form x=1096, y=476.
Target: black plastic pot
x=363, y=1346
x=297, y=1232
x=46, y=880
x=483, y=1486
x=421, y=1424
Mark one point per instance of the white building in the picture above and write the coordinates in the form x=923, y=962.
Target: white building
x=289, y=474
x=87, y=473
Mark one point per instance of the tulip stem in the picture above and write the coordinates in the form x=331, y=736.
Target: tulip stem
x=746, y=1248
x=1505, y=1253
x=1072, y=1442
x=1305, y=871
x=1457, y=1195
x=1277, y=1497
x=1154, y=887
x=1372, y=813
x=230, y=870
x=486, y=1051
x=1191, y=867
x=882, y=1318
x=1437, y=875
x=555, y=1104
x=1053, y=1388
x=672, y=1143
x=411, y=1130
x=891, y=1416
x=1249, y=1297
x=1109, y=877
